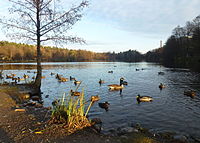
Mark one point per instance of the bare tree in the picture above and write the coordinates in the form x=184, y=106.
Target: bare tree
x=39, y=21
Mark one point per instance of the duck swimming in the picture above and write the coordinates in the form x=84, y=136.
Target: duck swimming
x=104, y=105
x=190, y=93
x=77, y=82
x=144, y=98
x=72, y=78
x=101, y=81
x=75, y=93
x=116, y=86
x=161, y=86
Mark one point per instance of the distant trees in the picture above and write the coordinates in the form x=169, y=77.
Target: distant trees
x=129, y=56
x=182, y=48
x=24, y=53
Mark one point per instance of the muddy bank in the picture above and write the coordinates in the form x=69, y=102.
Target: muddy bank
x=30, y=125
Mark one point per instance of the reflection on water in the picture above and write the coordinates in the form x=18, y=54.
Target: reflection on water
x=169, y=111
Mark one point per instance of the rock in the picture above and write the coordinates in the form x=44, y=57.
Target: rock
x=48, y=108
x=180, y=137
x=125, y=130
x=96, y=121
x=98, y=127
x=35, y=98
x=124, y=137
x=38, y=105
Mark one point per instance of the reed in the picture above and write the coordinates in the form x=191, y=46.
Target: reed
x=70, y=111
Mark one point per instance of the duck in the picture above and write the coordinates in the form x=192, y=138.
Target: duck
x=116, y=86
x=9, y=76
x=104, y=105
x=94, y=98
x=13, y=74
x=62, y=79
x=43, y=77
x=75, y=93
x=137, y=69
x=19, y=79
x=161, y=73
x=77, y=82
x=110, y=71
x=161, y=86
x=190, y=93
x=144, y=98
x=52, y=73
x=26, y=76
x=58, y=76
x=72, y=78
x=101, y=81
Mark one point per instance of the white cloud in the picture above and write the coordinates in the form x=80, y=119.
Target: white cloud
x=145, y=15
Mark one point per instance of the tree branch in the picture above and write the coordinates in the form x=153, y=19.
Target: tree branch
x=45, y=5
x=66, y=39
x=76, y=9
x=21, y=4
x=22, y=28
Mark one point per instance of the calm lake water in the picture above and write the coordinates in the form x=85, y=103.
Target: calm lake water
x=170, y=110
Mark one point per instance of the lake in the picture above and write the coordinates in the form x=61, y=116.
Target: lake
x=170, y=110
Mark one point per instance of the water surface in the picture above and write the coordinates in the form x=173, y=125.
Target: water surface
x=170, y=110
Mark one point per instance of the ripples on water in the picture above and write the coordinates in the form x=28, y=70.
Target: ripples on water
x=170, y=110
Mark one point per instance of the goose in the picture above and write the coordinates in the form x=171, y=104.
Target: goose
x=43, y=77
x=116, y=86
x=110, y=71
x=101, y=81
x=19, y=79
x=144, y=98
x=190, y=93
x=137, y=69
x=9, y=76
x=75, y=93
x=161, y=73
x=52, y=73
x=62, y=79
x=104, y=105
x=77, y=82
x=58, y=76
x=26, y=76
x=72, y=78
x=161, y=86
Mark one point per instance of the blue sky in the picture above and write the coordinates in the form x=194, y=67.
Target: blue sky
x=120, y=25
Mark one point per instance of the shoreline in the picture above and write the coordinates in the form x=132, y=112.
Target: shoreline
x=31, y=125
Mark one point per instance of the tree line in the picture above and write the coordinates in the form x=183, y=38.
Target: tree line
x=182, y=48
x=16, y=52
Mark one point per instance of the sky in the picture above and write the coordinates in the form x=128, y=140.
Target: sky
x=120, y=25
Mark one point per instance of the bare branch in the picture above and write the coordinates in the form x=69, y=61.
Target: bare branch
x=21, y=4
x=66, y=39
x=45, y=5
x=26, y=13
x=22, y=28
x=64, y=16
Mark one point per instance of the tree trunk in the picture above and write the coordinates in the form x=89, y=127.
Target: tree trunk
x=37, y=83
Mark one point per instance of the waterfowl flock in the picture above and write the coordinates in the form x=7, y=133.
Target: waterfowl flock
x=111, y=87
